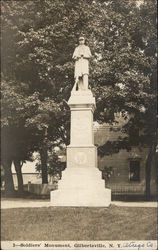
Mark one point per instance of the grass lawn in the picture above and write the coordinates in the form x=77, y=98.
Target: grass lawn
x=65, y=223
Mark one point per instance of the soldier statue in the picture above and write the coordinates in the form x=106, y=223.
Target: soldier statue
x=81, y=56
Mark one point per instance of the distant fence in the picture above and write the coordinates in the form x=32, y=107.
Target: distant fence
x=126, y=189
x=27, y=177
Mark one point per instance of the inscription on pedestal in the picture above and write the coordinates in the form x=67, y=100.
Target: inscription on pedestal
x=81, y=127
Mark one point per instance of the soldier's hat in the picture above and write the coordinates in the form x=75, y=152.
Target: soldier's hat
x=81, y=38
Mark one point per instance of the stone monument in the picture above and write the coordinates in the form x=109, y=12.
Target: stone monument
x=81, y=183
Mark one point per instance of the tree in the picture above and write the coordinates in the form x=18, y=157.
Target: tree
x=148, y=15
x=17, y=146
x=35, y=116
x=137, y=78
x=54, y=164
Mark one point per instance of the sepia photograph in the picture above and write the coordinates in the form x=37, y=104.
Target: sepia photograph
x=79, y=145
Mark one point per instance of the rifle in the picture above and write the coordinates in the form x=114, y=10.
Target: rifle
x=75, y=85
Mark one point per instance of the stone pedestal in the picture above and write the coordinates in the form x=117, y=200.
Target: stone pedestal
x=81, y=183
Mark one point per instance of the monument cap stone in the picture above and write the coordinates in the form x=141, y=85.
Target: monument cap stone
x=82, y=98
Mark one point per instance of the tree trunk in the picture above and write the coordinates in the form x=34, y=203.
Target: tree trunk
x=18, y=167
x=152, y=150
x=44, y=156
x=8, y=178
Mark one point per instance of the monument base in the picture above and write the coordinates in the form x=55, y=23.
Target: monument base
x=81, y=187
x=81, y=184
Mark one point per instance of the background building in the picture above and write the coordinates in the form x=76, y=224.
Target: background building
x=124, y=171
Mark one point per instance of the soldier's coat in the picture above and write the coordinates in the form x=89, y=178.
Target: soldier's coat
x=81, y=63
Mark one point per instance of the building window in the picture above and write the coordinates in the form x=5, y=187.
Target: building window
x=134, y=174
